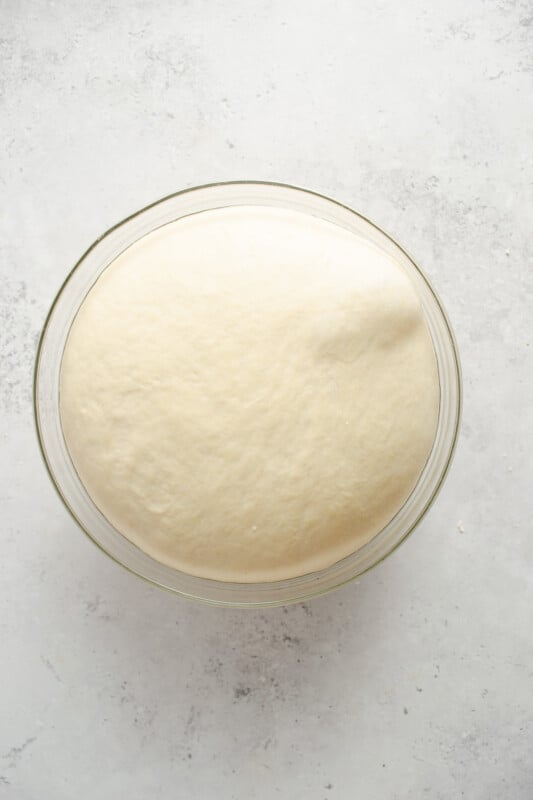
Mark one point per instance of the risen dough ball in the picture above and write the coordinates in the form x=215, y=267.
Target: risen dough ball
x=250, y=394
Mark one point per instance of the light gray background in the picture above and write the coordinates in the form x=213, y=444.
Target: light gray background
x=415, y=682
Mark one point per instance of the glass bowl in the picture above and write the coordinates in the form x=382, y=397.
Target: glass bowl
x=46, y=397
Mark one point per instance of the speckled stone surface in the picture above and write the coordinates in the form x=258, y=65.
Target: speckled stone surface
x=416, y=681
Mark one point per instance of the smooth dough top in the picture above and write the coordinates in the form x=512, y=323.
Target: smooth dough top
x=250, y=394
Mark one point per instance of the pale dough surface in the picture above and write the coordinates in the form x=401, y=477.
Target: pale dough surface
x=250, y=394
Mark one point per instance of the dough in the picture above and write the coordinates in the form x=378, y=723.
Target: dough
x=250, y=394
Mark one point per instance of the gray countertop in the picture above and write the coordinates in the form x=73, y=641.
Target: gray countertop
x=416, y=681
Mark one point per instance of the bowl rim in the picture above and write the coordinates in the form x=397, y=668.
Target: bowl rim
x=311, y=593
